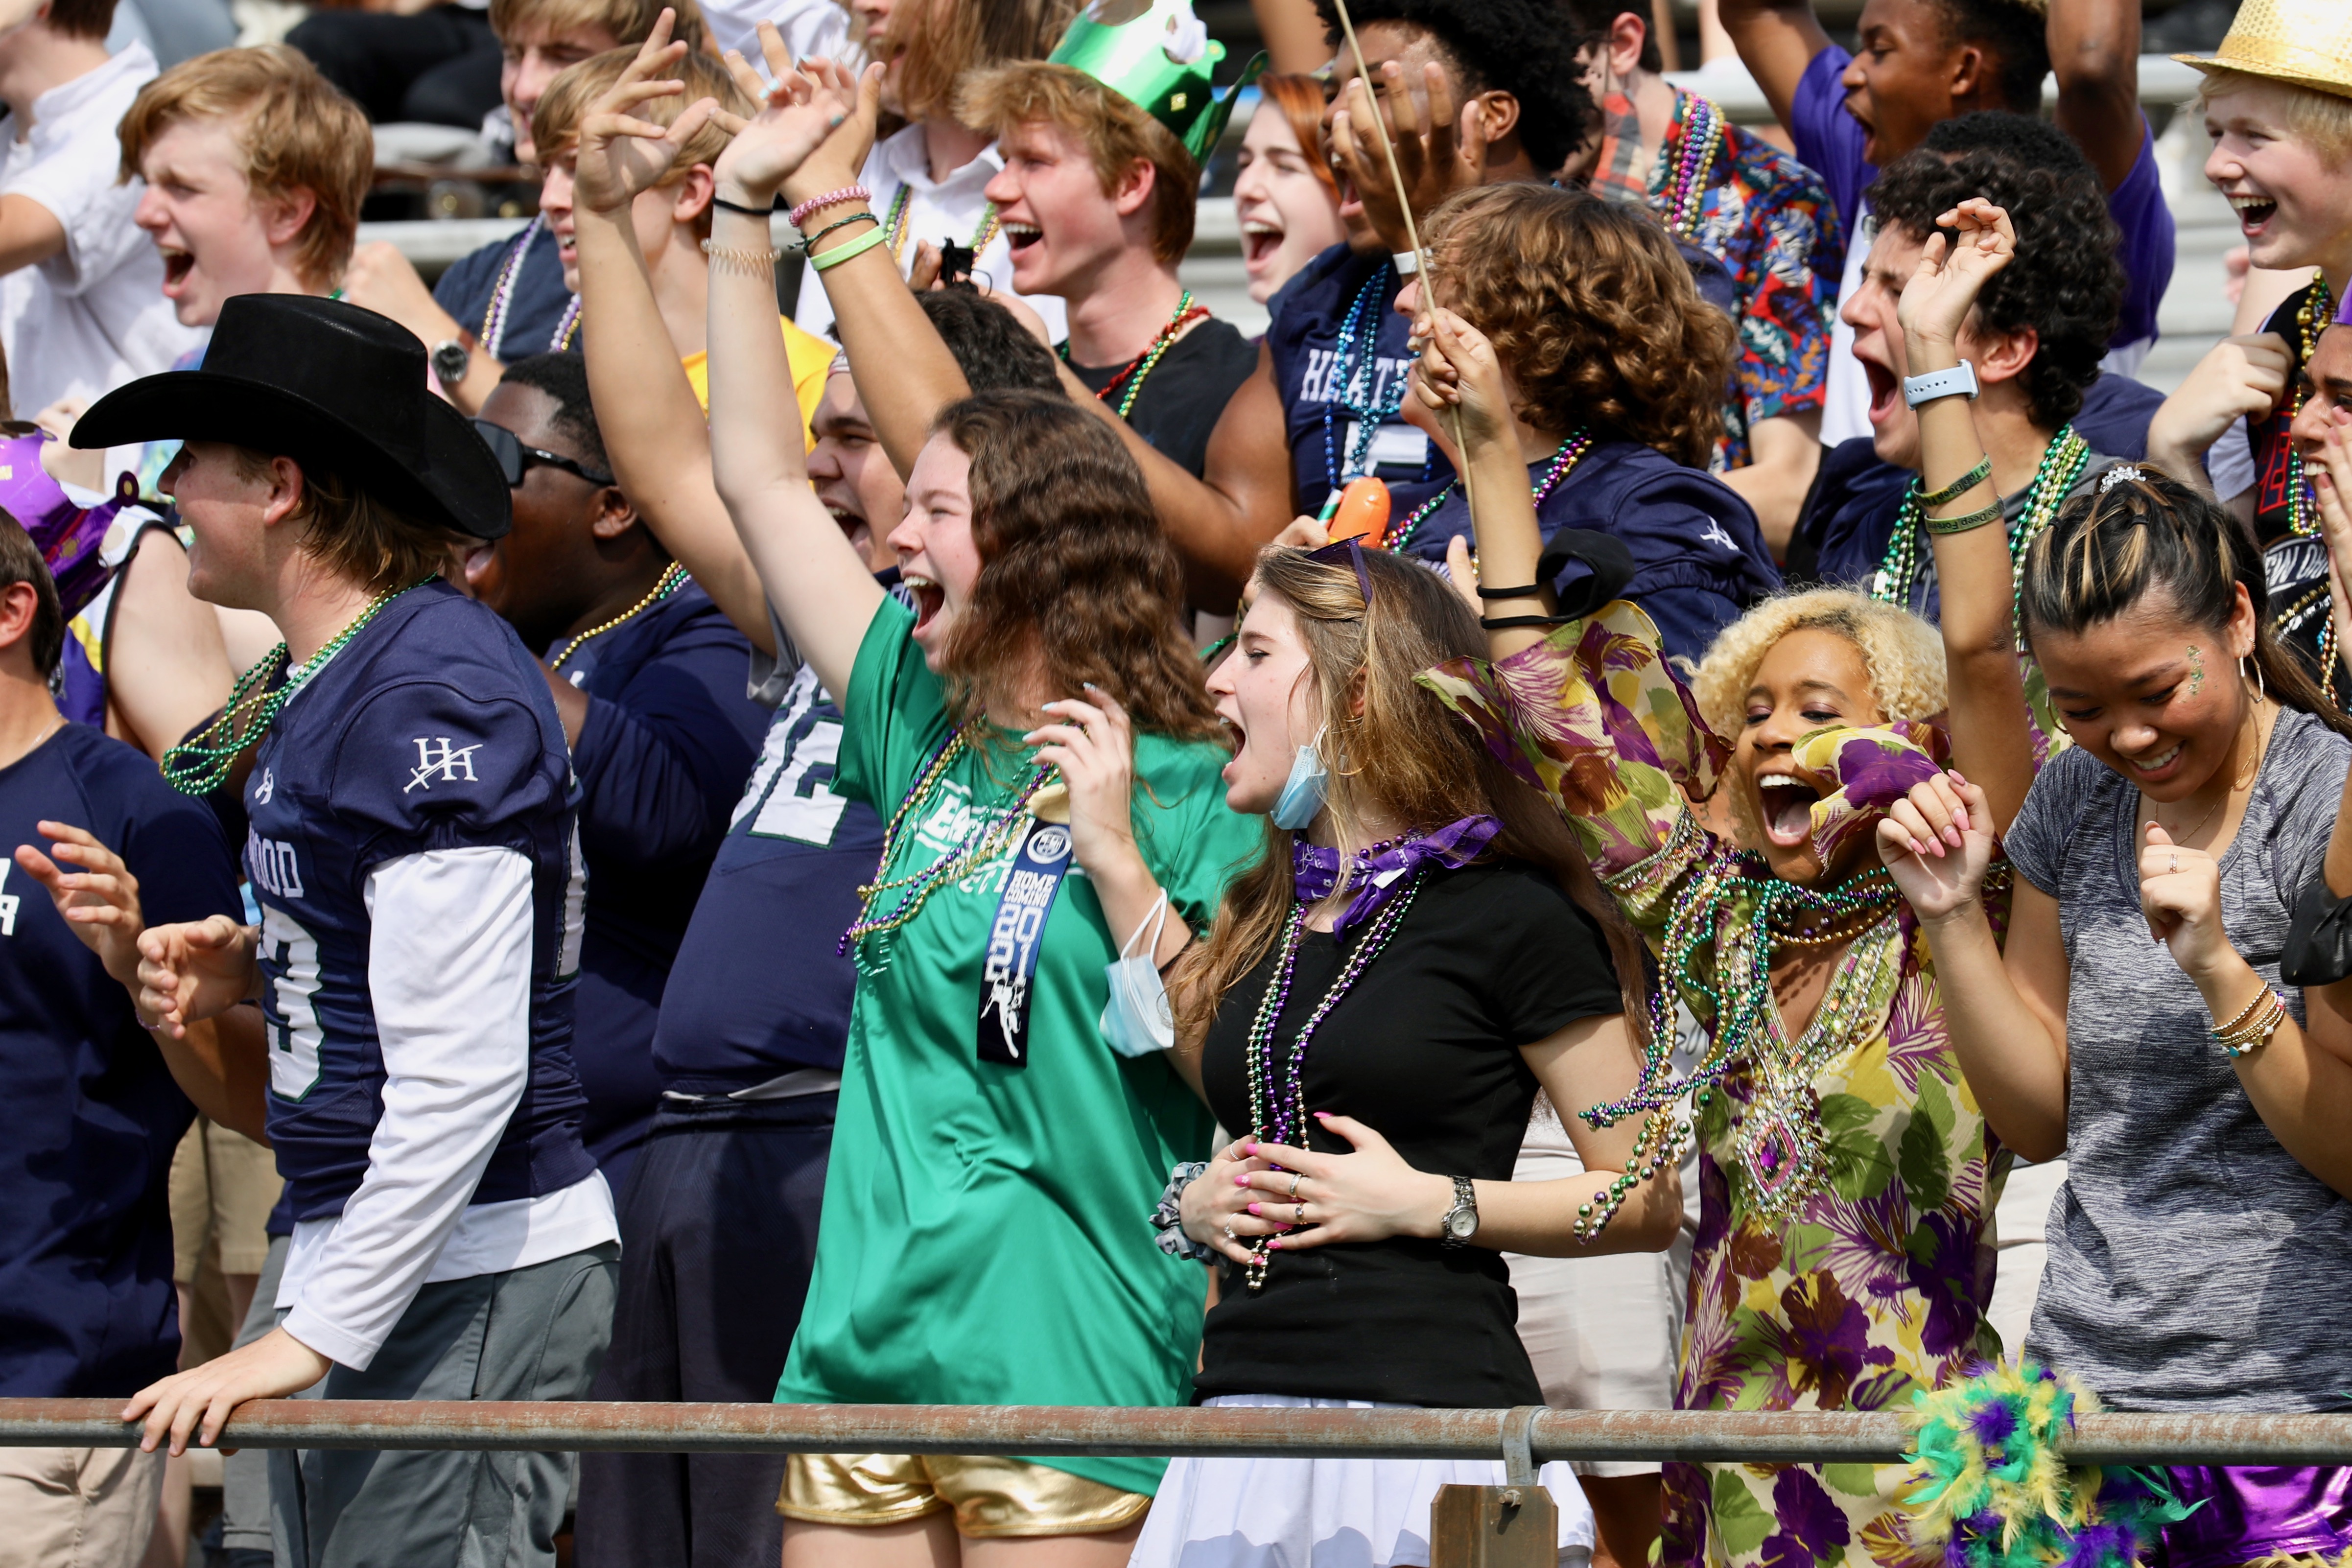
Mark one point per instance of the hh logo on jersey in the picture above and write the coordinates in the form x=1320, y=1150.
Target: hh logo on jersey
x=1713, y=535
x=266, y=789
x=437, y=758
x=8, y=903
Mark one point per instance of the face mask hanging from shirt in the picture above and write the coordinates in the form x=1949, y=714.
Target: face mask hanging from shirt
x=1136, y=1018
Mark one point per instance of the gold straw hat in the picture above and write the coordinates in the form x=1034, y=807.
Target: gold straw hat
x=2305, y=42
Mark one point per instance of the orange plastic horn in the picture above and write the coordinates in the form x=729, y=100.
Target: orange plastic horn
x=1363, y=513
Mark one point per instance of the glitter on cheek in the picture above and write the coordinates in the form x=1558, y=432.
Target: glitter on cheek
x=2195, y=670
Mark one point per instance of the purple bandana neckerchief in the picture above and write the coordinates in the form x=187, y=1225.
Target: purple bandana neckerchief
x=1379, y=875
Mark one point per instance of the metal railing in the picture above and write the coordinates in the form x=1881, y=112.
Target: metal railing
x=1041, y=1430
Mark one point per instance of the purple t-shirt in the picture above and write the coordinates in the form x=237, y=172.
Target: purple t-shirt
x=1830, y=140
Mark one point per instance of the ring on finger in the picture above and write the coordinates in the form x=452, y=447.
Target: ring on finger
x=1295, y=1180
x=1297, y=1214
x=2173, y=864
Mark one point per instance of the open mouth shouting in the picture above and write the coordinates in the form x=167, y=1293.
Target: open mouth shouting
x=1261, y=237
x=1019, y=236
x=1787, y=803
x=177, y=265
x=931, y=599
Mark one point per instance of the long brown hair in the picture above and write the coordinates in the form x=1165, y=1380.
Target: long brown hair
x=2146, y=532
x=936, y=41
x=1592, y=310
x=1403, y=753
x=1077, y=583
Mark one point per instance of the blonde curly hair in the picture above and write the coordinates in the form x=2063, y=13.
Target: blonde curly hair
x=1904, y=654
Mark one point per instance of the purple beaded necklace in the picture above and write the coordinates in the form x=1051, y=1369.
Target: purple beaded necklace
x=1277, y=1096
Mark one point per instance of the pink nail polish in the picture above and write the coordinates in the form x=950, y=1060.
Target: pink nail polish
x=1252, y=1208
x=1242, y=1180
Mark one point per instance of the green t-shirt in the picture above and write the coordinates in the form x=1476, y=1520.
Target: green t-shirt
x=986, y=1238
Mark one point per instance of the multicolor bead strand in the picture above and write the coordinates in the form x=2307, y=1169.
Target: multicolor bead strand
x=1374, y=409
x=2313, y=317
x=1277, y=1099
x=494, y=318
x=201, y=763
x=2054, y=479
x=981, y=842
x=1562, y=463
x=901, y=216
x=1696, y=137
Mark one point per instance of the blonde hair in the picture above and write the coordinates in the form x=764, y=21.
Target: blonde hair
x=355, y=533
x=2322, y=119
x=555, y=123
x=1115, y=131
x=629, y=22
x=295, y=132
x=1904, y=654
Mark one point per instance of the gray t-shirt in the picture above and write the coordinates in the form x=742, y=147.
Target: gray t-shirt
x=2193, y=1262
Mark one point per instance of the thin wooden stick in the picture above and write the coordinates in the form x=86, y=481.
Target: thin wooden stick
x=1411, y=230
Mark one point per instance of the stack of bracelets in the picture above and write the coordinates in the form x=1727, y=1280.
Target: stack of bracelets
x=738, y=256
x=1953, y=492
x=2255, y=1023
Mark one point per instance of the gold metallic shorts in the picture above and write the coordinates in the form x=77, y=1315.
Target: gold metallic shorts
x=990, y=1496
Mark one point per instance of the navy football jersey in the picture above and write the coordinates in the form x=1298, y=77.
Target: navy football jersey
x=432, y=729
x=760, y=987
x=1328, y=445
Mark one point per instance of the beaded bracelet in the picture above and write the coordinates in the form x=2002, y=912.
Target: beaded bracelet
x=2254, y=1026
x=1960, y=486
x=799, y=214
x=856, y=247
x=751, y=263
x=1965, y=521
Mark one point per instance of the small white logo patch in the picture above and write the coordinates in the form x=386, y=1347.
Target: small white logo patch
x=454, y=764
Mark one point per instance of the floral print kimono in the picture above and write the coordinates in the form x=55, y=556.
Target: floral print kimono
x=1865, y=1277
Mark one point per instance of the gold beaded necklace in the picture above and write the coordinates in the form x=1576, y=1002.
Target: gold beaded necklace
x=667, y=584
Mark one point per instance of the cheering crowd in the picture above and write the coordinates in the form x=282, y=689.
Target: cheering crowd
x=1560, y=828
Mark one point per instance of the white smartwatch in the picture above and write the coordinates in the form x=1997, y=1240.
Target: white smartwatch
x=1961, y=381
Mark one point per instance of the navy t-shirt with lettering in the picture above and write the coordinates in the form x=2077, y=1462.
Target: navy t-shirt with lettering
x=86, y=1302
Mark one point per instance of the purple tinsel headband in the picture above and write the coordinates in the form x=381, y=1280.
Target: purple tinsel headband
x=1380, y=875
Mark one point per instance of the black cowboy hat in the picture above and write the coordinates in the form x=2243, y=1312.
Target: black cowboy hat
x=326, y=383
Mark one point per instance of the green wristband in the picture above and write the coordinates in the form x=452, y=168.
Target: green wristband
x=1965, y=521
x=1960, y=486
x=856, y=247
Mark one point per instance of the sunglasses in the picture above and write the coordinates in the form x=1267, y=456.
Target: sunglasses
x=515, y=459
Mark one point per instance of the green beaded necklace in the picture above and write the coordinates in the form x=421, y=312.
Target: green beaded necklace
x=2311, y=319
x=201, y=763
x=2053, y=480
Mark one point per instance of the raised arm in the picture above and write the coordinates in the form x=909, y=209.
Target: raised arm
x=661, y=450
x=1993, y=741
x=1777, y=40
x=812, y=575
x=2094, y=53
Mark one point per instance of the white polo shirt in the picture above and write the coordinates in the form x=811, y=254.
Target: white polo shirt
x=93, y=316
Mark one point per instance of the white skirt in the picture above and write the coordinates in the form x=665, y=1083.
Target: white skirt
x=1323, y=1513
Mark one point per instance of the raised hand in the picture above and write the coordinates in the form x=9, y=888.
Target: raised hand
x=1952, y=274
x=620, y=155
x=1093, y=744
x=798, y=113
x=2180, y=893
x=1938, y=843
x=1450, y=156
x=1458, y=374
x=2239, y=378
x=98, y=900
x=190, y=972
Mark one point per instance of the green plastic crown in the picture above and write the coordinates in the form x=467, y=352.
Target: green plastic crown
x=1157, y=55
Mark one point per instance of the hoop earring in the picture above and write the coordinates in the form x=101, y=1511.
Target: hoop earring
x=2262, y=693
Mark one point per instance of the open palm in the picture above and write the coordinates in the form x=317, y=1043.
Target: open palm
x=1953, y=273
x=803, y=107
x=620, y=155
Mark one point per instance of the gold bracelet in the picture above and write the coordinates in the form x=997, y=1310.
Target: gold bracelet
x=2254, y=1026
x=749, y=262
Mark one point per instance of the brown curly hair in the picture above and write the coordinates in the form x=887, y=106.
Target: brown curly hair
x=1076, y=581
x=1592, y=310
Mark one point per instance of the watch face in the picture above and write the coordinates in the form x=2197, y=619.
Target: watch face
x=450, y=361
x=1462, y=1223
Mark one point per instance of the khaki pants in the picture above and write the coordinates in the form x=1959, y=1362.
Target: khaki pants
x=77, y=1508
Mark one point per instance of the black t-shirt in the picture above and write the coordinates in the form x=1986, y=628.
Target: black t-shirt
x=1186, y=393
x=1425, y=1048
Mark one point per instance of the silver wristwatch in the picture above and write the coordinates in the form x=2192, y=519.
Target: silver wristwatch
x=451, y=361
x=1461, y=1221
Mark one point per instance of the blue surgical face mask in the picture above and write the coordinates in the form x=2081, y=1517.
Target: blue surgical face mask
x=1305, y=791
x=1136, y=1018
